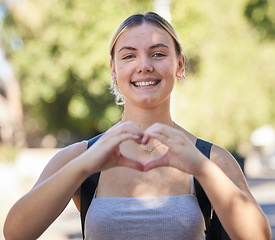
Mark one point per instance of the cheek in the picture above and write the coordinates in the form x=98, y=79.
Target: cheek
x=119, y=70
x=123, y=74
x=167, y=72
x=123, y=70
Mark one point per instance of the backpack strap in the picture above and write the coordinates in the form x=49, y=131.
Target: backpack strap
x=87, y=190
x=214, y=229
x=205, y=205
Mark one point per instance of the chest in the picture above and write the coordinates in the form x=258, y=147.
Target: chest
x=125, y=182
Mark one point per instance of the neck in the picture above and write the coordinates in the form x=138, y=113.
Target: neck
x=145, y=117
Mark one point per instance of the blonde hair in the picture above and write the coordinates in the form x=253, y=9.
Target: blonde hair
x=135, y=20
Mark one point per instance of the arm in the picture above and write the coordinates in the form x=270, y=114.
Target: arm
x=227, y=190
x=221, y=179
x=35, y=211
x=62, y=177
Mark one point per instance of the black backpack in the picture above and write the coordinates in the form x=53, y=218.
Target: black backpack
x=214, y=229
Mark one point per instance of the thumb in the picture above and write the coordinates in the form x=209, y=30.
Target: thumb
x=156, y=162
x=131, y=163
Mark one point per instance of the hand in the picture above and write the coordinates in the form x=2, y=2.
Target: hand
x=105, y=153
x=182, y=153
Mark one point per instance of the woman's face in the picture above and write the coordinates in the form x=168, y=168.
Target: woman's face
x=145, y=65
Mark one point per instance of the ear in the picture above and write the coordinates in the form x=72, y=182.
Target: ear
x=113, y=69
x=181, y=66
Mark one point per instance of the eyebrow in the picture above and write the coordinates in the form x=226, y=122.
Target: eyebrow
x=127, y=48
x=158, y=45
x=152, y=47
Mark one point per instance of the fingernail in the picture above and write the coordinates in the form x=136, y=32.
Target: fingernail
x=137, y=138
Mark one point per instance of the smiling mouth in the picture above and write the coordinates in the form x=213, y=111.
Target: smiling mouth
x=146, y=83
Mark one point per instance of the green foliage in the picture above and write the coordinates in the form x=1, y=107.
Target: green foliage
x=230, y=88
x=64, y=71
x=260, y=13
x=63, y=67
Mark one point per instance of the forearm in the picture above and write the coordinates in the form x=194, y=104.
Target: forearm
x=33, y=213
x=240, y=215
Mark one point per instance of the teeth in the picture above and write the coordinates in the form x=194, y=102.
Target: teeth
x=142, y=84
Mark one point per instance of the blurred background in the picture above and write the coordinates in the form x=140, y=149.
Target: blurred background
x=55, y=85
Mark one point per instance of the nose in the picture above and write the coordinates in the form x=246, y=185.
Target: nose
x=144, y=66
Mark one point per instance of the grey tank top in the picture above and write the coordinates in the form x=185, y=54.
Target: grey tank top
x=153, y=218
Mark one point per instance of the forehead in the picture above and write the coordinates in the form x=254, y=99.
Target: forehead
x=144, y=34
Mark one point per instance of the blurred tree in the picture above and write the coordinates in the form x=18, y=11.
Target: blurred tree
x=261, y=14
x=63, y=66
x=230, y=89
x=64, y=73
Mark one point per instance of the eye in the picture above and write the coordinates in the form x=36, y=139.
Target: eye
x=158, y=55
x=129, y=56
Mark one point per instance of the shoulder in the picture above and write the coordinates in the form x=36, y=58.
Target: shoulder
x=228, y=164
x=222, y=158
x=61, y=158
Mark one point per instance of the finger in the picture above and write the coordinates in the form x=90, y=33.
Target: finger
x=131, y=163
x=126, y=127
x=117, y=140
x=122, y=132
x=162, y=138
x=156, y=162
x=159, y=128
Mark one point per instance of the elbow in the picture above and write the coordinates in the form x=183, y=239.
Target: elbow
x=267, y=233
x=12, y=230
x=263, y=232
x=12, y=233
x=266, y=229
x=9, y=232
x=12, y=226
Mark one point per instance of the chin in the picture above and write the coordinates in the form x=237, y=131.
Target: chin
x=152, y=103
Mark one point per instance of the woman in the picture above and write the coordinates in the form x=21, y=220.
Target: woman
x=147, y=162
